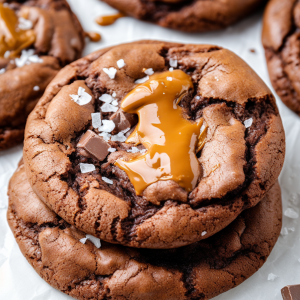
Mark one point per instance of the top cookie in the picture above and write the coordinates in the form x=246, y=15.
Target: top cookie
x=79, y=164
x=191, y=16
x=38, y=38
x=280, y=38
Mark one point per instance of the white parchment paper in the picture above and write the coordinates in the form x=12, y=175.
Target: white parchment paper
x=18, y=281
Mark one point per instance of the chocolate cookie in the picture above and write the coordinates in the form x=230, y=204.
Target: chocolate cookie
x=280, y=39
x=79, y=164
x=198, y=271
x=188, y=15
x=38, y=38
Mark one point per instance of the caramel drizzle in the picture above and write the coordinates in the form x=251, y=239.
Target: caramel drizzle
x=12, y=38
x=109, y=20
x=170, y=139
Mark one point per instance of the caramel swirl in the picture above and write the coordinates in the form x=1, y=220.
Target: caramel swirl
x=169, y=138
x=109, y=20
x=13, y=39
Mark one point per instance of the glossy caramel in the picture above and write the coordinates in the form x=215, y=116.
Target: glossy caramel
x=12, y=38
x=109, y=20
x=93, y=36
x=170, y=139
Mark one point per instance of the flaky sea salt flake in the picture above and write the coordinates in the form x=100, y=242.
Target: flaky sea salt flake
x=106, y=136
x=272, y=277
x=2, y=70
x=121, y=63
x=203, y=233
x=120, y=137
x=173, y=63
x=133, y=150
x=94, y=240
x=248, y=122
x=291, y=213
x=114, y=94
x=83, y=240
x=171, y=69
x=142, y=80
x=107, y=180
x=111, y=72
x=108, y=126
x=284, y=231
x=111, y=149
x=96, y=120
x=149, y=72
x=36, y=88
x=106, y=107
x=86, y=168
x=115, y=103
x=7, y=54
x=169, y=78
x=25, y=24
x=82, y=98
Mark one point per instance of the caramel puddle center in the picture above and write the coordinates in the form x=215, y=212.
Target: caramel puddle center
x=170, y=139
x=13, y=38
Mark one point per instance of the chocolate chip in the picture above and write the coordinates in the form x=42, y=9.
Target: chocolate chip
x=123, y=120
x=291, y=292
x=94, y=145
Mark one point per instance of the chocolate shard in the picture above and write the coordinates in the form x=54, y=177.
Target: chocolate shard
x=94, y=145
x=291, y=292
x=123, y=120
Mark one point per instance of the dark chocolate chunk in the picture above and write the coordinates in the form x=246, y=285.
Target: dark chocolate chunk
x=94, y=145
x=123, y=120
x=291, y=292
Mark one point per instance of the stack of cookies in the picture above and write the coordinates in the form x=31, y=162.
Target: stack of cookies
x=150, y=172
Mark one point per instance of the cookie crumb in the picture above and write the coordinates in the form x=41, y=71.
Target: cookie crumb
x=111, y=72
x=252, y=50
x=142, y=80
x=86, y=168
x=121, y=63
x=107, y=180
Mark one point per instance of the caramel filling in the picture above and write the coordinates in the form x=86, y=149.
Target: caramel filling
x=170, y=139
x=13, y=39
x=109, y=20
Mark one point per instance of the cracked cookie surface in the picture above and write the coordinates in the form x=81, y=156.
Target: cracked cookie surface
x=188, y=15
x=198, y=271
x=239, y=164
x=59, y=40
x=280, y=38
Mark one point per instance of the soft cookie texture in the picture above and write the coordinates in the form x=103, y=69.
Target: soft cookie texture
x=198, y=271
x=280, y=39
x=191, y=15
x=59, y=41
x=239, y=164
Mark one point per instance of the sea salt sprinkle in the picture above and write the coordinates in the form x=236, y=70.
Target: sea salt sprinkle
x=272, y=277
x=82, y=97
x=86, y=168
x=173, y=63
x=7, y=54
x=107, y=180
x=27, y=57
x=248, y=122
x=25, y=24
x=107, y=126
x=36, y=88
x=120, y=137
x=106, y=98
x=133, y=150
x=203, y=233
x=94, y=240
x=96, y=120
x=121, y=63
x=171, y=69
x=111, y=149
x=142, y=80
x=114, y=94
x=2, y=70
x=115, y=103
x=106, y=136
x=284, y=231
x=149, y=72
x=291, y=213
x=106, y=107
x=111, y=72
x=169, y=78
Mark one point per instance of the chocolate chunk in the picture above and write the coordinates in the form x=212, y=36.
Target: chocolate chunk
x=291, y=292
x=94, y=145
x=123, y=120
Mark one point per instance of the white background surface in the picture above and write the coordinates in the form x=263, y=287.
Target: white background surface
x=18, y=281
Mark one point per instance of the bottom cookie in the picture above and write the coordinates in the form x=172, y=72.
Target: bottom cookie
x=198, y=271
